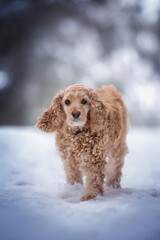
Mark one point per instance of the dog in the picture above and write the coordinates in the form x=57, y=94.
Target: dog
x=90, y=126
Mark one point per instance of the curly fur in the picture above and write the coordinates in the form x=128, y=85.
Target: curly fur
x=99, y=133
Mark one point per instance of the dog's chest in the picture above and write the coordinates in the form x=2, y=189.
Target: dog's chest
x=83, y=142
x=77, y=145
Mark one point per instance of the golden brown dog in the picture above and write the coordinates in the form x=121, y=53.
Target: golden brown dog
x=90, y=126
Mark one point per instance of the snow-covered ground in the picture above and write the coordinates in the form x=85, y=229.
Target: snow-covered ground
x=37, y=204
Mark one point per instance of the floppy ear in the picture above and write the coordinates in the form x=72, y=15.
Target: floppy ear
x=53, y=117
x=103, y=117
x=98, y=114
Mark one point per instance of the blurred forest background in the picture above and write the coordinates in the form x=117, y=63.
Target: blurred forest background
x=46, y=45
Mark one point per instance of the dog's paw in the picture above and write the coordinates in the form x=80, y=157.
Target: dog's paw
x=113, y=184
x=116, y=185
x=88, y=196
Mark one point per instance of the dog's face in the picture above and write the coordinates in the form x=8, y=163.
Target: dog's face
x=76, y=105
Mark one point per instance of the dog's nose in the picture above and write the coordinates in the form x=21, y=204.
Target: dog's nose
x=76, y=114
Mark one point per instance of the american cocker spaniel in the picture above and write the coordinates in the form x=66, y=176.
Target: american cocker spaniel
x=91, y=127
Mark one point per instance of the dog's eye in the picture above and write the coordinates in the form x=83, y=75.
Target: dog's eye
x=83, y=101
x=67, y=102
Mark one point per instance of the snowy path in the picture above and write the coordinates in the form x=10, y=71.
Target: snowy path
x=37, y=204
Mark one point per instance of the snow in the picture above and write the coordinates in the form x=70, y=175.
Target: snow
x=36, y=203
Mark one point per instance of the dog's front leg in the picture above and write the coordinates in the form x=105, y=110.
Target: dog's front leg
x=72, y=171
x=94, y=171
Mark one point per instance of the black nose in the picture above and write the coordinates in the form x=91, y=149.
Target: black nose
x=76, y=114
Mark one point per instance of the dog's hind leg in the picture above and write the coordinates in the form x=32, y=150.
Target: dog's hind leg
x=114, y=165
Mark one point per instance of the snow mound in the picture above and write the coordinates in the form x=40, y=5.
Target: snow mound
x=37, y=204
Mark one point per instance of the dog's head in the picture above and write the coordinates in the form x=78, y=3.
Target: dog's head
x=75, y=106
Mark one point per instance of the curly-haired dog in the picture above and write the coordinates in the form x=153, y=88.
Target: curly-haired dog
x=90, y=126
